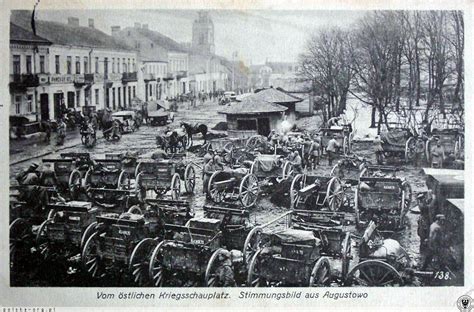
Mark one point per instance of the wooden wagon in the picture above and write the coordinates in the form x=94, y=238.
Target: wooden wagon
x=316, y=193
x=343, y=135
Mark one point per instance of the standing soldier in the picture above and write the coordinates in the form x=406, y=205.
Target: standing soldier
x=436, y=242
x=61, y=132
x=225, y=272
x=331, y=149
x=424, y=220
x=297, y=162
x=208, y=170
x=437, y=155
x=314, y=154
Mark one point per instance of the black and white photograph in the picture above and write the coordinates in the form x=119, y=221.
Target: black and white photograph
x=236, y=148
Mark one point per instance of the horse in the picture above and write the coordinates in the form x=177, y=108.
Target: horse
x=190, y=130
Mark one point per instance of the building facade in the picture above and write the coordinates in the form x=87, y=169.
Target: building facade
x=203, y=34
x=154, y=73
x=82, y=68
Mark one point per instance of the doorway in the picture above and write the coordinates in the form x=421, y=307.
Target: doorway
x=44, y=106
x=263, y=125
x=58, y=100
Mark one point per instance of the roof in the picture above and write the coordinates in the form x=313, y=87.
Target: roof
x=159, y=39
x=20, y=34
x=251, y=105
x=457, y=202
x=276, y=96
x=64, y=34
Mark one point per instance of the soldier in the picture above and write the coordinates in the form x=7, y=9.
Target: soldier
x=378, y=147
x=61, y=132
x=208, y=170
x=313, y=153
x=225, y=272
x=424, y=220
x=297, y=162
x=331, y=149
x=28, y=176
x=436, y=242
x=437, y=155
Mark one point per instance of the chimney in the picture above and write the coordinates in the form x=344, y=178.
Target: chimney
x=115, y=30
x=91, y=23
x=145, y=26
x=73, y=21
x=137, y=25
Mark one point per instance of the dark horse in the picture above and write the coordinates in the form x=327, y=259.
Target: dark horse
x=190, y=130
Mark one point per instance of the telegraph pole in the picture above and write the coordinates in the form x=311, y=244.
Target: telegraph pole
x=234, y=55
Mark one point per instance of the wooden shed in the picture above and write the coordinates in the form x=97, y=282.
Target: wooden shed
x=281, y=98
x=253, y=116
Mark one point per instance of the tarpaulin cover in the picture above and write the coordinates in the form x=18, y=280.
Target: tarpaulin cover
x=267, y=163
x=205, y=223
x=297, y=236
x=238, y=172
x=79, y=204
x=396, y=137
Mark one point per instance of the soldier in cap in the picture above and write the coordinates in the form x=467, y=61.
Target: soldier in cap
x=225, y=272
x=332, y=148
x=436, y=241
x=28, y=176
x=437, y=154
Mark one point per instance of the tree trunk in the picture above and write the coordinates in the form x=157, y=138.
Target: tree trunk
x=372, y=119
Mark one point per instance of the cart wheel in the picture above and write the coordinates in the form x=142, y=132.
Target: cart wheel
x=334, y=194
x=135, y=210
x=248, y=190
x=74, y=183
x=363, y=171
x=321, y=274
x=156, y=271
x=254, y=166
x=123, y=181
x=211, y=278
x=287, y=170
x=137, y=169
x=189, y=179
x=51, y=214
x=216, y=195
x=42, y=242
x=87, y=178
x=140, y=261
x=229, y=153
x=20, y=235
x=175, y=187
x=91, y=259
x=428, y=150
x=91, y=228
x=297, y=184
x=336, y=170
x=410, y=146
x=373, y=273
x=346, y=254
x=253, y=277
x=251, y=245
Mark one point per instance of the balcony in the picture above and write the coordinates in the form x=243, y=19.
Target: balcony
x=93, y=78
x=181, y=74
x=129, y=77
x=168, y=76
x=149, y=77
x=113, y=76
x=23, y=81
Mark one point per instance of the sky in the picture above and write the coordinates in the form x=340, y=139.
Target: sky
x=255, y=35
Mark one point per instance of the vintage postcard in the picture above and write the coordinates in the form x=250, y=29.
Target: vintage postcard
x=185, y=154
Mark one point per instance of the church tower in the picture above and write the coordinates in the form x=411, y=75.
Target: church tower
x=203, y=33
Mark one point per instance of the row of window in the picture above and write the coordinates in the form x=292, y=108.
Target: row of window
x=118, y=65
x=177, y=65
x=156, y=69
x=18, y=100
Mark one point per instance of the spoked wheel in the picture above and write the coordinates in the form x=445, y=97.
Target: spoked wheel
x=91, y=258
x=135, y=210
x=252, y=244
x=217, y=195
x=253, y=277
x=189, y=179
x=373, y=273
x=87, y=233
x=346, y=254
x=248, y=190
x=336, y=170
x=124, y=181
x=175, y=187
x=75, y=183
x=288, y=170
x=428, y=147
x=334, y=194
x=20, y=234
x=156, y=271
x=410, y=149
x=140, y=261
x=321, y=274
x=254, y=141
x=211, y=278
x=296, y=185
x=87, y=178
x=42, y=242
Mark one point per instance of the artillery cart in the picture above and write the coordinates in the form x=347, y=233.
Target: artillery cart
x=309, y=192
x=349, y=168
x=343, y=134
x=399, y=143
x=452, y=141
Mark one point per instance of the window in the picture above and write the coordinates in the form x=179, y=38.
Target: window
x=78, y=65
x=118, y=66
x=119, y=96
x=150, y=89
x=96, y=97
x=125, y=96
x=113, y=98
x=69, y=65
x=18, y=104
x=57, y=64
x=78, y=98
x=86, y=64
x=128, y=66
x=28, y=64
x=16, y=65
x=246, y=124
x=133, y=65
x=134, y=94
x=113, y=65
x=129, y=95
x=29, y=102
x=96, y=65
x=124, y=66
x=42, y=64
x=106, y=65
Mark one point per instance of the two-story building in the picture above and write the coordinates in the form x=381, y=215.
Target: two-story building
x=85, y=68
x=154, y=72
x=29, y=60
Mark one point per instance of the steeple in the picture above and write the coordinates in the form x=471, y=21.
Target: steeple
x=203, y=33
